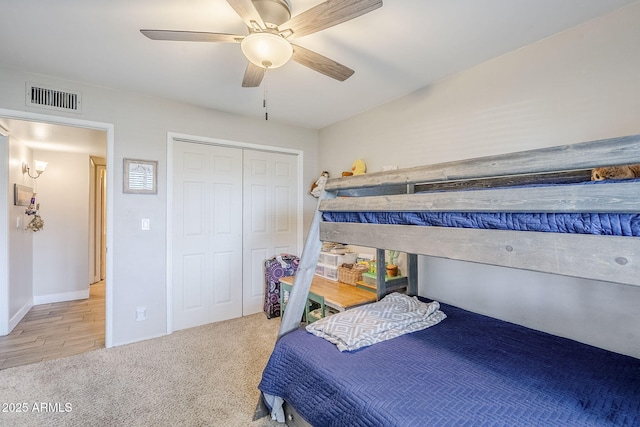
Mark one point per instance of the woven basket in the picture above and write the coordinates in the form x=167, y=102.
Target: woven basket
x=351, y=275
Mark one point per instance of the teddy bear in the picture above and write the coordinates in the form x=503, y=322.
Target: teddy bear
x=615, y=172
x=318, y=186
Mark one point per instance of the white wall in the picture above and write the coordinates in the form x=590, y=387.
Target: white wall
x=20, y=240
x=61, y=249
x=577, y=86
x=141, y=124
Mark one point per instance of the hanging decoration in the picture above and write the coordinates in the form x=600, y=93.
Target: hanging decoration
x=36, y=223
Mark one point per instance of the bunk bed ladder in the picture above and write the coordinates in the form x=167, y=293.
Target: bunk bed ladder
x=304, y=275
x=301, y=286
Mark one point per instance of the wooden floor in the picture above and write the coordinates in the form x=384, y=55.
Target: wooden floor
x=51, y=331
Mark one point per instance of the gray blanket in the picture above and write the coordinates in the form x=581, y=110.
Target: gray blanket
x=394, y=315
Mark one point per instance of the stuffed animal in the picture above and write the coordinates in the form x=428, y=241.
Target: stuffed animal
x=358, y=167
x=318, y=186
x=615, y=172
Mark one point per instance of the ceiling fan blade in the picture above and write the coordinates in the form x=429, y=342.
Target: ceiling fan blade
x=191, y=36
x=321, y=64
x=247, y=12
x=252, y=76
x=328, y=14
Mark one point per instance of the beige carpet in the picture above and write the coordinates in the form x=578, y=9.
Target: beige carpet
x=204, y=376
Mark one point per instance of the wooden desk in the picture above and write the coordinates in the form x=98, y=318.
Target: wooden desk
x=336, y=294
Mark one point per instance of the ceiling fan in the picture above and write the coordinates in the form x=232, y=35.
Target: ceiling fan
x=271, y=26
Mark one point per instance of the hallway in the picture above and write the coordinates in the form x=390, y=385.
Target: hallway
x=51, y=331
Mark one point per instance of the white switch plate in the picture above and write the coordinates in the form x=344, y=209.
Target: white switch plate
x=146, y=224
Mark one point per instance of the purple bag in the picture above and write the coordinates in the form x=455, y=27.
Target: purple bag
x=274, y=268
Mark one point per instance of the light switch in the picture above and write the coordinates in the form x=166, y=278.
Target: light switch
x=146, y=225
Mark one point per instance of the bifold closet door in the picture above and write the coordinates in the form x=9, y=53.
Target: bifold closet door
x=271, y=191
x=207, y=234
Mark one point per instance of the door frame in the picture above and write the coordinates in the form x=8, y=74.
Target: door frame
x=193, y=139
x=4, y=236
x=109, y=128
x=97, y=220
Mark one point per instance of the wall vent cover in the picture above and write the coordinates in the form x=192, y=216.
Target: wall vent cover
x=53, y=99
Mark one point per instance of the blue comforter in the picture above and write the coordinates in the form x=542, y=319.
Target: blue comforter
x=609, y=224
x=467, y=370
x=578, y=223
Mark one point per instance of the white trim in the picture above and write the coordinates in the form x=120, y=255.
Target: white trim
x=171, y=138
x=13, y=322
x=137, y=340
x=301, y=193
x=5, y=324
x=226, y=143
x=168, y=221
x=109, y=128
x=62, y=297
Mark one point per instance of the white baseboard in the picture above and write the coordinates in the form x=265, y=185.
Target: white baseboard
x=13, y=322
x=66, y=296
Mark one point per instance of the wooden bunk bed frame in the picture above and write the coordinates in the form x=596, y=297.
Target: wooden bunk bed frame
x=617, y=259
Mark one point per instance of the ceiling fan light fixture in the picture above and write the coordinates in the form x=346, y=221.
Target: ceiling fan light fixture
x=267, y=50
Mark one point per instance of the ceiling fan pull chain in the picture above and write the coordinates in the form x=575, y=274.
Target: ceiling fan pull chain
x=264, y=100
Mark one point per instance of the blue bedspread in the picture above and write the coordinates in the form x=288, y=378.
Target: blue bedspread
x=578, y=223
x=468, y=370
x=610, y=224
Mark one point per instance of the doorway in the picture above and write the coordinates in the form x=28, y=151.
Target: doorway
x=108, y=135
x=231, y=206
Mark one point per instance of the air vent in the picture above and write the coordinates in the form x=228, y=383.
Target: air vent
x=53, y=99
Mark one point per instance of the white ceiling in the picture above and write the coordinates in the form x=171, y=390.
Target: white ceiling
x=401, y=47
x=50, y=137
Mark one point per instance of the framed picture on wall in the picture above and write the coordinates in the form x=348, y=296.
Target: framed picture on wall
x=140, y=176
x=22, y=195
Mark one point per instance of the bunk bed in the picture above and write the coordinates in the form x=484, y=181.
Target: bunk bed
x=471, y=369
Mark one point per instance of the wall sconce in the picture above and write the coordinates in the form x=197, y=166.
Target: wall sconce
x=40, y=167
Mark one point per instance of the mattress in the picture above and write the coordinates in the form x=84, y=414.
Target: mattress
x=467, y=370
